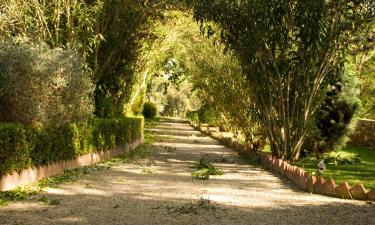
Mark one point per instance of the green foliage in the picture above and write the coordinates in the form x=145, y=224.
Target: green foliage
x=168, y=64
x=147, y=170
x=136, y=107
x=58, y=23
x=177, y=101
x=195, y=207
x=339, y=160
x=289, y=52
x=25, y=146
x=335, y=117
x=41, y=86
x=14, y=148
x=205, y=169
x=203, y=174
x=124, y=26
x=215, y=77
x=18, y=194
x=208, y=116
x=24, y=192
x=109, y=34
x=193, y=116
x=367, y=87
x=349, y=164
x=362, y=63
x=150, y=110
x=205, y=115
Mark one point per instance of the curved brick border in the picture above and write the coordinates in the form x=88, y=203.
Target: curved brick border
x=298, y=176
x=30, y=175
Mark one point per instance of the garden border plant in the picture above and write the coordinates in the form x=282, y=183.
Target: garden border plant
x=27, y=191
x=23, y=147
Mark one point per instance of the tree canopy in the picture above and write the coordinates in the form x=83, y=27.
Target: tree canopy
x=259, y=66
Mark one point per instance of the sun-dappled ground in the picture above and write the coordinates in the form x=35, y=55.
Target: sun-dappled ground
x=161, y=190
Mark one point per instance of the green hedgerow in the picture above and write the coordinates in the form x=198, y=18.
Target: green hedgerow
x=23, y=146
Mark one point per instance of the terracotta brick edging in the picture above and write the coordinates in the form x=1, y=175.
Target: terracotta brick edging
x=30, y=175
x=298, y=176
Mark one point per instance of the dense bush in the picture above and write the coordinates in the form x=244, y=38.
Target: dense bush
x=208, y=115
x=22, y=146
x=43, y=86
x=14, y=148
x=150, y=110
x=333, y=119
x=204, y=115
x=193, y=116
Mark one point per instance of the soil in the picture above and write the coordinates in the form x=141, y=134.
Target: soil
x=161, y=190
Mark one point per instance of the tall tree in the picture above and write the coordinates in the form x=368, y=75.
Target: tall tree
x=289, y=51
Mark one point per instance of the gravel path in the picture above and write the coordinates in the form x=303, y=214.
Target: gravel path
x=161, y=190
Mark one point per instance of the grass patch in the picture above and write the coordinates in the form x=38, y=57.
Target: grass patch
x=350, y=164
x=205, y=169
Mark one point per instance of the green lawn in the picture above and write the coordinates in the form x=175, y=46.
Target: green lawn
x=363, y=171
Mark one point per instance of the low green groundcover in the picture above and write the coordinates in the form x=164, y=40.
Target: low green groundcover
x=350, y=164
x=25, y=146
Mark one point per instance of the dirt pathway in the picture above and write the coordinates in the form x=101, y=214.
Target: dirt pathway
x=161, y=190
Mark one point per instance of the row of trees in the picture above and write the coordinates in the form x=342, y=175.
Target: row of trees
x=224, y=91
x=108, y=34
x=290, y=52
x=190, y=72
x=283, y=60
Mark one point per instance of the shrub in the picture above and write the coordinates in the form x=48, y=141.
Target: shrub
x=14, y=148
x=136, y=107
x=203, y=115
x=22, y=146
x=43, y=86
x=208, y=115
x=333, y=120
x=193, y=116
x=149, y=110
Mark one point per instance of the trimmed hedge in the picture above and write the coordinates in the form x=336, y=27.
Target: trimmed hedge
x=24, y=146
x=150, y=110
